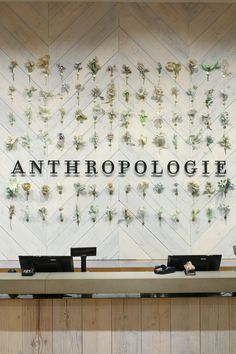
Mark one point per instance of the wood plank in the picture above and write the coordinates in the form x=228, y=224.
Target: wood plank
x=45, y=326
x=185, y=326
x=11, y=327
x=156, y=326
x=96, y=326
x=126, y=326
x=67, y=324
x=215, y=325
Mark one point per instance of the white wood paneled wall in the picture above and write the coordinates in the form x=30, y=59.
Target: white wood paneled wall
x=116, y=34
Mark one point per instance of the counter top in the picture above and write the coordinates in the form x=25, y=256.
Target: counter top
x=117, y=283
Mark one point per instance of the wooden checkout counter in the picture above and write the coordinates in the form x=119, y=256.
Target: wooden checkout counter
x=117, y=320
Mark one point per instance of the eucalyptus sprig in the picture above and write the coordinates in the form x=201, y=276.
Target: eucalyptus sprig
x=209, y=141
x=195, y=140
x=173, y=68
x=94, y=67
x=225, y=186
x=224, y=142
x=209, y=189
x=95, y=140
x=142, y=71
x=210, y=68
x=194, y=189
x=127, y=72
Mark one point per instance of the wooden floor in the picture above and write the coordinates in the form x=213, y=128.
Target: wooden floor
x=118, y=326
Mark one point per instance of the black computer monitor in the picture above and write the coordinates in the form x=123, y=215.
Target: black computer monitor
x=201, y=262
x=47, y=263
x=83, y=252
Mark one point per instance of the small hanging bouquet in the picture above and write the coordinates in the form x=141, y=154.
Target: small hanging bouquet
x=60, y=188
x=28, y=113
x=210, y=68
x=224, y=97
x=143, y=187
x=78, y=68
x=157, y=96
x=225, y=186
x=142, y=71
x=93, y=211
x=11, y=213
x=29, y=92
x=11, y=118
x=177, y=118
x=26, y=188
x=175, y=94
x=173, y=68
x=27, y=213
x=224, y=119
x=110, y=188
x=159, y=71
x=29, y=66
x=176, y=189
x=44, y=137
x=60, y=141
x=142, y=141
x=194, y=189
x=78, y=89
x=110, y=213
x=225, y=210
x=126, y=95
x=111, y=70
x=209, y=98
x=43, y=65
x=12, y=188
x=111, y=93
x=191, y=93
x=45, y=190
x=12, y=66
x=141, y=215
x=175, y=216
x=26, y=141
x=128, y=189
x=11, y=142
x=62, y=114
x=45, y=95
x=192, y=66
x=80, y=189
x=92, y=190
x=209, y=141
x=209, y=189
x=125, y=118
x=194, y=214
x=61, y=69
x=127, y=217
x=224, y=68
x=206, y=120
x=96, y=93
x=11, y=91
x=143, y=118
x=160, y=216
x=210, y=215
x=93, y=67
x=195, y=140
x=127, y=138
x=95, y=140
x=112, y=115
x=43, y=213
x=65, y=89
x=61, y=214
x=175, y=141
x=158, y=188
x=44, y=113
x=80, y=116
x=127, y=72
x=159, y=141
x=141, y=94
x=78, y=142
x=77, y=214
x=224, y=142
x=191, y=115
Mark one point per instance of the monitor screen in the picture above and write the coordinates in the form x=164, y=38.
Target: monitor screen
x=47, y=263
x=201, y=262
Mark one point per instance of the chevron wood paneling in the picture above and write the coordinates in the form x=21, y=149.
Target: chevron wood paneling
x=117, y=33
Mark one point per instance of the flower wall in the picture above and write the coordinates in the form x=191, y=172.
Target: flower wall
x=123, y=82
